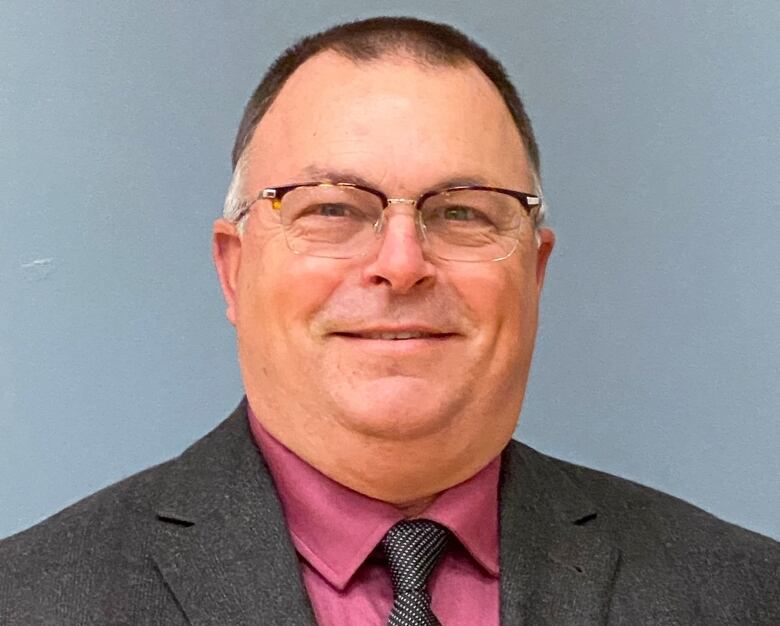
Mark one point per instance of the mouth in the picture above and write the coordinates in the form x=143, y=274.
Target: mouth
x=399, y=335
x=410, y=342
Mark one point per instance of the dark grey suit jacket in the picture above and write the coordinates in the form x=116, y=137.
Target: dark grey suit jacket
x=201, y=540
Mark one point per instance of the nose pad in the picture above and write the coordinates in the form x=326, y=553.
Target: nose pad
x=420, y=227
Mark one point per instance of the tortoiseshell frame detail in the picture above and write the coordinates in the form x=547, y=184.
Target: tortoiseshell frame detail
x=531, y=203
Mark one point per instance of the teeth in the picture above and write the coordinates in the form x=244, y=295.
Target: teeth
x=402, y=335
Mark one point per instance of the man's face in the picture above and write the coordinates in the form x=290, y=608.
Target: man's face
x=373, y=413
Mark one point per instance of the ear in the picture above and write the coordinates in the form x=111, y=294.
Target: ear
x=226, y=251
x=545, y=241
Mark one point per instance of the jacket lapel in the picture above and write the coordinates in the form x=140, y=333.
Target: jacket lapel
x=221, y=542
x=557, y=561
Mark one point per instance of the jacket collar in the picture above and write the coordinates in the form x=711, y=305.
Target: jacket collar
x=557, y=560
x=221, y=543
x=222, y=546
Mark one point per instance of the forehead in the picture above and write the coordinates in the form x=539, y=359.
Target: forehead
x=392, y=121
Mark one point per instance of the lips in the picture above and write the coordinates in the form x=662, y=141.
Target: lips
x=395, y=335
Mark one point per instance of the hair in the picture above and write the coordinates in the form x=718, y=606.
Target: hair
x=428, y=43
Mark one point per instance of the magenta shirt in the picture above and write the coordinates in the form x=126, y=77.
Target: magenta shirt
x=336, y=531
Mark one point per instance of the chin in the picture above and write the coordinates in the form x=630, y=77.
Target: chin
x=395, y=408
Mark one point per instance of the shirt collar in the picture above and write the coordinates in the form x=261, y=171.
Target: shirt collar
x=335, y=528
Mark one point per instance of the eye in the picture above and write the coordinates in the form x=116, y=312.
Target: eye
x=330, y=210
x=458, y=217
x=460, y=214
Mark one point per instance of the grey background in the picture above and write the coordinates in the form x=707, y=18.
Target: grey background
x=659, y=350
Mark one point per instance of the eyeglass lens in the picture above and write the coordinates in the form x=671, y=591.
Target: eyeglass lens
x=343, y=222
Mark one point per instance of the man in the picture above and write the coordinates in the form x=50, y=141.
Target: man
x=382, y=257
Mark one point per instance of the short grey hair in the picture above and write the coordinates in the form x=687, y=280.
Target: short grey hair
x=431, y=44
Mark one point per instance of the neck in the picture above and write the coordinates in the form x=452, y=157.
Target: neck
x=415, y=507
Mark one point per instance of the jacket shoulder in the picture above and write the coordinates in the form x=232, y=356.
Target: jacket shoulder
x=672, y=547
x=84, y=553
x=631, y=505
x=92, y=563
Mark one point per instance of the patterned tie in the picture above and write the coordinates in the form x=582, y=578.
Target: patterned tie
x=412, y=548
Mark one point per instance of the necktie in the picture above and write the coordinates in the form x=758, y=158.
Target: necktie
x=412, y=548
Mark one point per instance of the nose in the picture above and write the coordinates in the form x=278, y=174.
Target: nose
x=400, y=263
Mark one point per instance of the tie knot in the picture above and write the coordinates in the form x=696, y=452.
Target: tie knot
x=412, y=548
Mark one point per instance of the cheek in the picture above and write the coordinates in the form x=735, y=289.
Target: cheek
x=502, y=303
x=281, y=294
x=497, y=297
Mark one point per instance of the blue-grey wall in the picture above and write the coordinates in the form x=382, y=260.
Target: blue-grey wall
x=659, y=350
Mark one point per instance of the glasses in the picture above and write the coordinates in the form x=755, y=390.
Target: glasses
x=345, y=220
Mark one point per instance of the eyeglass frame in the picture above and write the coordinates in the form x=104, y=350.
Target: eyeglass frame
x=532, y=203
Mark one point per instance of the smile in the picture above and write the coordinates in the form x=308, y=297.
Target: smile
x=400, y=335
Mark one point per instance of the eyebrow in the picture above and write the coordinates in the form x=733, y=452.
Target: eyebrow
x=463, y=181
x=326, y=174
